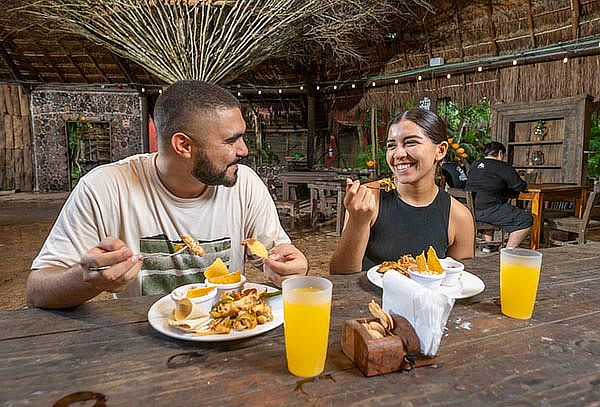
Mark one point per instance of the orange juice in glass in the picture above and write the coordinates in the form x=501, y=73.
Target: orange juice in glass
x=306, y=311
x=519, y=276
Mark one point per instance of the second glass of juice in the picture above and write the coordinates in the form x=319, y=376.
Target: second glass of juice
x=519, y=276
x=306, y=314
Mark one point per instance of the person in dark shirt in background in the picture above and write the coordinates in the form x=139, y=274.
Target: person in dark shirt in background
x=493, y=182
x=454, y=174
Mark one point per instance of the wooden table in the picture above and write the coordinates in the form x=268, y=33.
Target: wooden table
x=538, y=194
x=484, y=359
x=305, y=177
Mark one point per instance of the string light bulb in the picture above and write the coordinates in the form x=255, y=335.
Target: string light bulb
x=565, y=60
x=396, y=81
x=143, y=90
x=448, y=76
x=353, y=86
x=260, y=92
x=318, y=87
x=373, y=84
x=334, y=87
x=239, y=94
x=301, y=87
x=279, y=91
x=160, y=91
x=515, y=62
x=479, y=68
x=419, y=78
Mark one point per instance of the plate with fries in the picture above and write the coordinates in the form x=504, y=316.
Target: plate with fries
x=161, y=313
x=471, y=284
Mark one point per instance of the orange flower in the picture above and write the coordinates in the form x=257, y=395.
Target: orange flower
x=450, y=140
x=455, y=146
x=460, y=150
x=464, y=155
x=371, y=163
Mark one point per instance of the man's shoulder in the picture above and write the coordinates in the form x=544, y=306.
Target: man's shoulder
x=124, y=172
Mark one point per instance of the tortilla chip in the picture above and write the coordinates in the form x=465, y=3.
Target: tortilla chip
x=433, y=262
x=227, y=279
x=198, y=292
x=256, y=248
x=216, y=269
x=421, y=263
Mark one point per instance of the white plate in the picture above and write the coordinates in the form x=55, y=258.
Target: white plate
x=471, y=284
x=161, y=310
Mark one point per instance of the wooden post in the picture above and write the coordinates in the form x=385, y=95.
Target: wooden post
x=491, y=28
x=530, y=23
x=373, y=132
x=2, y=150
x=575, y=18
x=311, y=124
x=458, y=31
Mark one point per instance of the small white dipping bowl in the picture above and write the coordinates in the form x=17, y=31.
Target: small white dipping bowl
x=205, y=302
x=453, y=271
x=431, y=281
x=227, y=288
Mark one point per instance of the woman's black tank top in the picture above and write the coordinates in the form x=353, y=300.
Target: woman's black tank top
x=402, y=229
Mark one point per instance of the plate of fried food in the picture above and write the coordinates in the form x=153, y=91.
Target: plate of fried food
x=251, y=311
x=469, y=284
x=223, y=308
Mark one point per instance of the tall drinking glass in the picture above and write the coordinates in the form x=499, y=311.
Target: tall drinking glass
x=519, y=276
x=306, y=310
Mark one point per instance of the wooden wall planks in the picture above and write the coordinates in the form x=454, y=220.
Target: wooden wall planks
x=16, y=169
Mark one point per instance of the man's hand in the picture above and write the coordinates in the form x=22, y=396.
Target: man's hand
x=110, y=252
x=359, y=202
x=285, y=261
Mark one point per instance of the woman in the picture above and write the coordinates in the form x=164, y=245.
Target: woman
x=384, y=225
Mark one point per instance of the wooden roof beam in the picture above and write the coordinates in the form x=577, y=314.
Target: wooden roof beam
x=124, y=69
x=49, y=61
x=12, y=68
x=491, y=28
x=68, y=55
x=530, y=23
x=26, y=62
x=149, y=76
x=575, y=12
x=93, y=60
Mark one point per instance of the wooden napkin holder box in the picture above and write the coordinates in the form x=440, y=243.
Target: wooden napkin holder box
x=372, y=356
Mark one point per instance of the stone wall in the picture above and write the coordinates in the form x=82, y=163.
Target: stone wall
x=52, y=109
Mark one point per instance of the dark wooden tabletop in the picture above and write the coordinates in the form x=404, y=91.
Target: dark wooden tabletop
x=108, y=351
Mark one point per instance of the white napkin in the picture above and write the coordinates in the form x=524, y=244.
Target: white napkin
x=426, y=310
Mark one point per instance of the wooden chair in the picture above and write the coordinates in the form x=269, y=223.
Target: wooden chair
x=289, y=207
x=481, y=228
x=573, y=224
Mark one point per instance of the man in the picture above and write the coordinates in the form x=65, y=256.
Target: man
x=144, y=203
x=493, y=181
x=454, y=174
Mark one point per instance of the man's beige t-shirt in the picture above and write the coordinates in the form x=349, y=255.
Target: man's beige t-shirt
x=127, y=200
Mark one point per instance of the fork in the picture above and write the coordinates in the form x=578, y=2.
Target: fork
x=144, y=256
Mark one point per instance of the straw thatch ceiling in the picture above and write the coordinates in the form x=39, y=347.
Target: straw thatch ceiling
x=457, y=30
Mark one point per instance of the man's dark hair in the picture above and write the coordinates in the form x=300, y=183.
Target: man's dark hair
x=493, y=148
x=432, y=125
x=182, y=106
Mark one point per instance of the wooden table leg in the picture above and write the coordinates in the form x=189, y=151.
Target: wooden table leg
x=286, y=190
x=537, y=204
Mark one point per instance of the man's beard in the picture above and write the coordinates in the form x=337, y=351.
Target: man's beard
x=205, y=171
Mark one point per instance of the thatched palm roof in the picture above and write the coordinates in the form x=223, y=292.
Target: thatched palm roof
x=458, y=30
